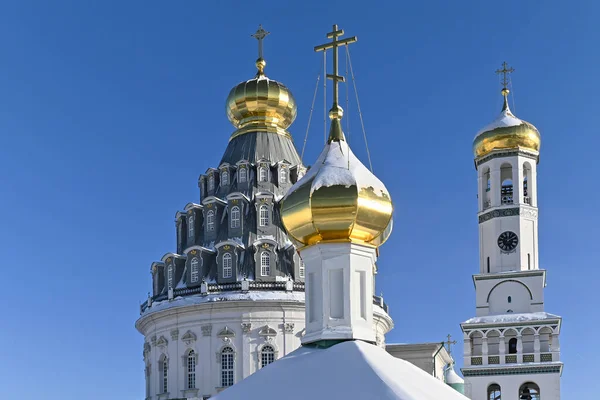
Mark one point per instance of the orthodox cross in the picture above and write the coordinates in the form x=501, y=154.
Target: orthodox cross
x=260, y=35
x=334, y=44
x=449, y=343
x=505, y=71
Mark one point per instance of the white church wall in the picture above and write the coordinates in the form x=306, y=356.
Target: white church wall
x=549, y=384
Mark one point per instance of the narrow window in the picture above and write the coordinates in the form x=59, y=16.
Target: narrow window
x=529, y=391
x=512, y=346
x=195, y=270
x=265, y=264
x=164, y=376
x=243, y=174
x=210, y=220
x=191, y=226
x=211, y=182
x=227, y=367
x=283, y=176
x=301, y=269
x=170, y=277
x=488, y=265
x=263, y=175
x=225, y=178
x=494, y=392
x=264, y=215
x=191, y=370
x=267, y=356
x=509, y=299
x=528, y=261
x=235, y=217
x=227, y=265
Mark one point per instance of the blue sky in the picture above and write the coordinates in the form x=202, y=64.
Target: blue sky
x=110, y=110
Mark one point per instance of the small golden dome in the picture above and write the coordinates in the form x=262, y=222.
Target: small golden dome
x=506, y=132
x=261, y=105
x=339, y=199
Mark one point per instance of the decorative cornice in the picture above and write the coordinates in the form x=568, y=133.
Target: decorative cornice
x=516, y=274
x=174, y=334
x=288, y=327
x=507, y=153
x=246, y=327
x=516, y=370
x=206, y=330
x=526, y=212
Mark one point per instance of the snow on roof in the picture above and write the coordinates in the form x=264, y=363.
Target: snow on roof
x=536, y=316
x=505, y=119
x=229, y=296
x=348, y=370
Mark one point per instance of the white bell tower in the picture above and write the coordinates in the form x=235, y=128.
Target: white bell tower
x=511, y=346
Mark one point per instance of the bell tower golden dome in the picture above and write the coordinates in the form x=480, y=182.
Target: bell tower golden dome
x=506, y=131
x=261, y=104
x=339, y=199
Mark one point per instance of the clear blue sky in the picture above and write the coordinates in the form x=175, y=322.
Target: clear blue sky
x=110, y=110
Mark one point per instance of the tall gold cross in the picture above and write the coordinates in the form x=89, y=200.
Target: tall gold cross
x=260, y=35
x=505, y=71
x=334, y=44
x=449, y=343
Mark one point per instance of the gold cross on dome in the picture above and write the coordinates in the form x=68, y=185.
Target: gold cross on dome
x=334, y=44
x=505, y=71
x=260, y=35
x=449, y=343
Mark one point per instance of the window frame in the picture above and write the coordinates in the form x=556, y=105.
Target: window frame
x=164, y=375
x=170, y=274
x=227, y=366
x=227, y=265
x=242, y=175
x=265, y=263
x=195, y=270
x=211, y=182
x=210, y=220
x=190, y=222
x=191, y=370
x=234, y=216
x=263, y=220
x=283, y=178
x=263, y=170
x=495, y=390
x=225, y=178
x=301, y=270
x=267, y=355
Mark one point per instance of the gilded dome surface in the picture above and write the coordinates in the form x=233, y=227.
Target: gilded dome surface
x=506, y=132
x=338, y=200
x=261, y=104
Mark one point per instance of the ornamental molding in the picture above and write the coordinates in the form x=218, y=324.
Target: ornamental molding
x=267, y=331
x=246, y=327
x=520, y=370
x=162, y=342
x=146, y=349
x=153, y=340
x=174, y=334
x=288, y=327
x=526, y=212
x=507, y=153
x=188, y=338
x=226, y=333
x=206, y=330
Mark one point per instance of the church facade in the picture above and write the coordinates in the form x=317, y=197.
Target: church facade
x=511, y=346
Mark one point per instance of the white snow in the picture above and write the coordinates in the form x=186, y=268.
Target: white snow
x=230, y=296
x=348, y=370
x=536, y=316
x=505, y=119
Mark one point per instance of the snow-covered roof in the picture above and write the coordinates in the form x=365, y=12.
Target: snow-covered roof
x=507, y=318
x=230, y=296
x=348, y=370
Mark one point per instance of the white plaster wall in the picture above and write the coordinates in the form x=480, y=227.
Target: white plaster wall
x=499, y=289
x=519, y=296
x=476, y=387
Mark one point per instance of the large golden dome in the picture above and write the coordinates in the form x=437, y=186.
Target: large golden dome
x=506, y=132
x=339, y=199
x=260, y=105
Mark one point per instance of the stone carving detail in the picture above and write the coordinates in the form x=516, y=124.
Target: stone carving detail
x=188, y=338
x=146, y=349
x=246, y=327
x=206, y=330
x=162, y=342
x=288, y=327
x=174, y=334
x=267, y=331
x=529, y=213
x=506, y=212
x=226, y=333
x=153, y=340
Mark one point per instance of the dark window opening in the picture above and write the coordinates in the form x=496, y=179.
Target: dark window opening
x=512, y=346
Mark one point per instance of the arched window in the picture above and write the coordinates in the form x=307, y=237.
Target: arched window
x=210, y=220
x=191, y=226
x=164, y=375
x=224, y=178
x=526, y=179
x=263, y=174
x=243, y=175
x=283, y=176
x=267, y=356
x=509, y=299
x=227, y=367
x=265, y=263
x=227, y=265
x=494, y=392
x=211, y=182
x=512, y=346
x=195, y=270
x=169, y=277
x=235, y=217
x=529, y=391
x=301, y=269
x=191, y=370
x=263, y=215
x=506, y=188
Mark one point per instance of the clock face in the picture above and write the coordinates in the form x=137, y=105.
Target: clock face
x=508, y=241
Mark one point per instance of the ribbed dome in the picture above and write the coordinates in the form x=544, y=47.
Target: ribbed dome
x=261, y=105
x=506, y=132
x=338, y=200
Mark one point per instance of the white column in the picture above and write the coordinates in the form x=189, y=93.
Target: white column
x=484, y=350
x=519, y=349
x=339, y=291
x=517, y=181
x=502, y=349
x=536, y=347
x=495, y=185
x=467, y=350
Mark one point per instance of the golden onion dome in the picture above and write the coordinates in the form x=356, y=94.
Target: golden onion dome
x=339, y=199
x=506, y=132
x=261, y=105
